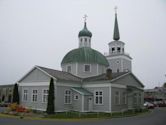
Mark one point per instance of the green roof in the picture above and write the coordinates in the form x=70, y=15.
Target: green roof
x=85, y=32
x=81, y=90
x=85, y=55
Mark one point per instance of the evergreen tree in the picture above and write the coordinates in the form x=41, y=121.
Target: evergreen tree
x=164, y=85
x=15, y=94
x=50, y=103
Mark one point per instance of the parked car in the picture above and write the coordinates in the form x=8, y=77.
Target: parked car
x=149, y=105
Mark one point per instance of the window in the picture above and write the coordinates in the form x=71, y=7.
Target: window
x=117, y=70
x=86, y=44
x=124, y=98
x=113, y=49
x=34, y=95
x=85, y=39
x=118, y=49
x=117, y=98
x=45, y=95
x=69, y=69
x=98, y=97
x=135, y=98
x=76, y=97
x=87, y=68
x=67, y=97
x=139, y=98
x=25, y=95
x=81, y=39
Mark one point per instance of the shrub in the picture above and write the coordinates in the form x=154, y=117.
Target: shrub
x=13, y=106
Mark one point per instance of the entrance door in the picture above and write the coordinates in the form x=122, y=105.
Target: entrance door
x=90, y=104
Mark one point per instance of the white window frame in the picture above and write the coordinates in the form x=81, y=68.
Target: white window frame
x=98, y=96
x=35, y=94
x=135, y=98
x=76, y=95
x=67, y=68
x=117, y=96
x=139, y=98
x=68, y=96
x=89, y=67
x=25, y=95
x=45, y=95
x=124, y=97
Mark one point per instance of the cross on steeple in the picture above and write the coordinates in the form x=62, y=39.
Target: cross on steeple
x=85, y=17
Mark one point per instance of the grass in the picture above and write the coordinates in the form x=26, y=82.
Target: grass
x=78, y=116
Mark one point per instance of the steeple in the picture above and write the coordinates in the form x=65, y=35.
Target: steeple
x=116, y=35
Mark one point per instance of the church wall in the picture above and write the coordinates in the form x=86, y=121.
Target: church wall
x=36, y=76
x=115, y=64
x=126, y=65
x=117, y=107
x=128, y=80
x=102, y=107
x=73, y=68
x=59, y=99
x=77, y=104
x=39, y=104
x=101, y=69
x=83, y=74
x=139, y=102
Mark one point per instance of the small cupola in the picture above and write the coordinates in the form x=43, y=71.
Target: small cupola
x=84, y=36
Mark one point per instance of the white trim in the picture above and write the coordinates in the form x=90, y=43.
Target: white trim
x=23, y=95
x=97, y=69
x=120, y=76
x=69, y=65
x=122, y=65
x=44, y=94
x=97, y=85
x=118, y=86
x=118, y=56
x=115, y=103
x=68, y=84
x=26, y=74
x=77, y=91
x=105, y=85
x=35, y=67
x=76, y=95
x=32, y=96
x=76, y=68
x=35, y=84
x=69, y=96
x=84, y=67
x=82, y=109
x=46, y=73
x=98, y=98
x=110, y=99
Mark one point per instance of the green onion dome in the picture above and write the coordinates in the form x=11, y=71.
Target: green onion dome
x=85, y=55
x=85, y=32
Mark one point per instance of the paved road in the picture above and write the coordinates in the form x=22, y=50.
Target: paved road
x=157, y=117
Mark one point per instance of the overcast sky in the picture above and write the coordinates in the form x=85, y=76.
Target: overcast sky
x=41, y=32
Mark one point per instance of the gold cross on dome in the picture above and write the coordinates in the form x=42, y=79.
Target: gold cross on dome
x=85, y=17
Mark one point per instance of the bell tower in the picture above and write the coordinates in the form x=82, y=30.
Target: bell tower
x=119, y=61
